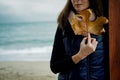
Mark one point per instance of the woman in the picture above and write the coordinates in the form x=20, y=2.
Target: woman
x=78, y=57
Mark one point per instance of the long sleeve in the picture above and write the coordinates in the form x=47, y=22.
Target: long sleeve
x=60, y=63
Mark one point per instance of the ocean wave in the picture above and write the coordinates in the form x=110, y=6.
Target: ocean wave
x=26, y=54
x=32, y=50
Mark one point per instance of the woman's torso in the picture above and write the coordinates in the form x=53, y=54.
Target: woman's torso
x=90, y=68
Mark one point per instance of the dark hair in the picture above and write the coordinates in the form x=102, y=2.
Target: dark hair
x=95, y=5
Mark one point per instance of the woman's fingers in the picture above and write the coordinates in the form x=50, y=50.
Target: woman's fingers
x=90, y=41
x=89, y=47
x=93, y=41
x=89, y=38
x=84, y=40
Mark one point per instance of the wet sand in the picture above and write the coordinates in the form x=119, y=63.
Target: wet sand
x=26, y=71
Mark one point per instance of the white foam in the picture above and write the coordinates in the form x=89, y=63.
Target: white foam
x=33, y=53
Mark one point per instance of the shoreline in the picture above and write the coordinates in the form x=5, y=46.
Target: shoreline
x=26, y=70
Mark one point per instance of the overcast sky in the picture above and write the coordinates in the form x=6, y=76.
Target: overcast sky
x=30, y=10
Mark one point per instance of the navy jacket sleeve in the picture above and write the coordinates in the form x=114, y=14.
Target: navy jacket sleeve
x=59, y=62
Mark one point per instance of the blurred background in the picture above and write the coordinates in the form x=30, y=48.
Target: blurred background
x=27, y=29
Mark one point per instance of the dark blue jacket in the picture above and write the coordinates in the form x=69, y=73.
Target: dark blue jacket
x=67, y=44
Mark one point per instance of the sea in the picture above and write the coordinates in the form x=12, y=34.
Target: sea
x=31, y=41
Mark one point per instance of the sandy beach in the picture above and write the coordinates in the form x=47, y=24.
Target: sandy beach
x=26, y=71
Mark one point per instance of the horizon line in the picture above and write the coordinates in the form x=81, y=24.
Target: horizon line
x=26, y=22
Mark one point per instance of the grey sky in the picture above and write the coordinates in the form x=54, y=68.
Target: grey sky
x=30, y=10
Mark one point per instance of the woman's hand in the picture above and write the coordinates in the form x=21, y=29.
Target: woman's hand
x=87, y=46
